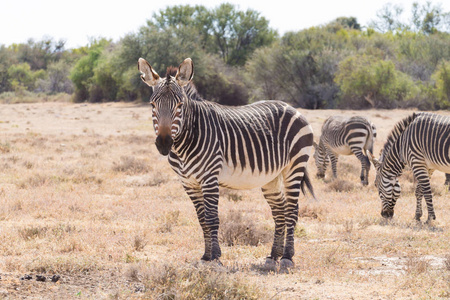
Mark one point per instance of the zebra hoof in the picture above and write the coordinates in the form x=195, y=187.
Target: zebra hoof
x=270, y=265
x=212, y=263
x=286, y=265
x=430, y=222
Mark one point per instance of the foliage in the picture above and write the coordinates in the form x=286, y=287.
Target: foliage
x=366, y=80
x=21, y=77
x=442, y=79
x=239, y=59
x=83, y=71
x=57, y=79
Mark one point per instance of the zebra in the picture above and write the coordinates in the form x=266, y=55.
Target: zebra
x=265, y=144
x=344, y=136
x=447, y=180
x=421, y=141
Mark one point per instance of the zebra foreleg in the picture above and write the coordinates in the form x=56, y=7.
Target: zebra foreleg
x=210, y=189
x=275, y=197
x=365, y=165
x=423, y=180
x=196, y=196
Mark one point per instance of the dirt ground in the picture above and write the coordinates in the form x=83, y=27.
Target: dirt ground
x=88, y=205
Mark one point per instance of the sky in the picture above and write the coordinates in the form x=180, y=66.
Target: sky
x=78, y=21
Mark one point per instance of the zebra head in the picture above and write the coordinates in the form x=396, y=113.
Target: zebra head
x=388, y=187
x=321, y=159
x=167, y=101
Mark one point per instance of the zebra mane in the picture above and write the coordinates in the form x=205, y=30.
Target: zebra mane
x=399, y=128
x=190, y=89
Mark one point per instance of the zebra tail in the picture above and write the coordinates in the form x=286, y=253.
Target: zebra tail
x=307, y=181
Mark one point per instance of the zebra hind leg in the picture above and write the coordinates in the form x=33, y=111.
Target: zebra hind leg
x=333, y=160
x=423, y=180
x=365, y=165
x=275, y=197
x=419, y=195
x=292, y=186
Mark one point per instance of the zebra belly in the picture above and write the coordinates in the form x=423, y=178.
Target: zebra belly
x=244, y=179
x=343, y=150
x=434, y=166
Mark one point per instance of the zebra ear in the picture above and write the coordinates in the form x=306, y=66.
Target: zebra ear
x=149, y=76
x=372, y=158
x=185, y=72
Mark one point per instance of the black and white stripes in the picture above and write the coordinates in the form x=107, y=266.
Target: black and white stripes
x=421, y=141
x=266, y=144
x=345, y=136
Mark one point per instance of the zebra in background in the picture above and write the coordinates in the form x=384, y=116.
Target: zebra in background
x=447, y=180
x=345, y=136
x=421, y=141
x=265, y=144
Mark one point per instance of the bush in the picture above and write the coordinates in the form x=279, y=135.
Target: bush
x=366, y=81
x=442, y=79
x=198, y=282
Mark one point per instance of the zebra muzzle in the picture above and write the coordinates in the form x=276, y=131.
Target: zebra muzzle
x=164, y=144
x=387, y=213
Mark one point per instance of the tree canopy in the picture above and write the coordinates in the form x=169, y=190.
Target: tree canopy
x=394, y=61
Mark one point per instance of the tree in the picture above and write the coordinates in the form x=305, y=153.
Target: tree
x=7, y=59
x=225, y=31
x=83, y=71
x=388, y=18
x=57, y=79
x=442, y=79
x=427, y=18
x=238, y=34
x=348, y=22
x=366, y=81
x=21, y=77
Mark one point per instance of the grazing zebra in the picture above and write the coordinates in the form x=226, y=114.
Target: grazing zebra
x=265, y=144
x=345, y=136
x=421, y=141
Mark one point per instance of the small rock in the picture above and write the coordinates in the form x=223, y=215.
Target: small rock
x=40, y=278
x=55, y=278
x=26, y=277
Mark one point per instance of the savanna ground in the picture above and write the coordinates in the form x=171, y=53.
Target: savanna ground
x=85, y=195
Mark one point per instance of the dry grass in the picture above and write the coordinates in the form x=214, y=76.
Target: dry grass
x=84, y=194
x=237, y=228
x=341, y=185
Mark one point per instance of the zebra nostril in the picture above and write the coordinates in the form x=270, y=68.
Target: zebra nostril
x=164, y=144
x=387, y=213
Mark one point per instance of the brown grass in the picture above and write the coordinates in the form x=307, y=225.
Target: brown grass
x=341, y=185
x=84, y=194
x=239, y=229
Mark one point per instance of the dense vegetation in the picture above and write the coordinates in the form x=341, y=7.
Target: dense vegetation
x=239, y=58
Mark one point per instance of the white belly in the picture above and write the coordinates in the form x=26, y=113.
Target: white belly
x=343, y=150
x=243, y=180
x=434, y=166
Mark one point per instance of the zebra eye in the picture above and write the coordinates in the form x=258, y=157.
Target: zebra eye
x=153, y=104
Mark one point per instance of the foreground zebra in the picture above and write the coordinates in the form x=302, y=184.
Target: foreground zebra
x=344, y=136
x=266, y=144
x=421, y=141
